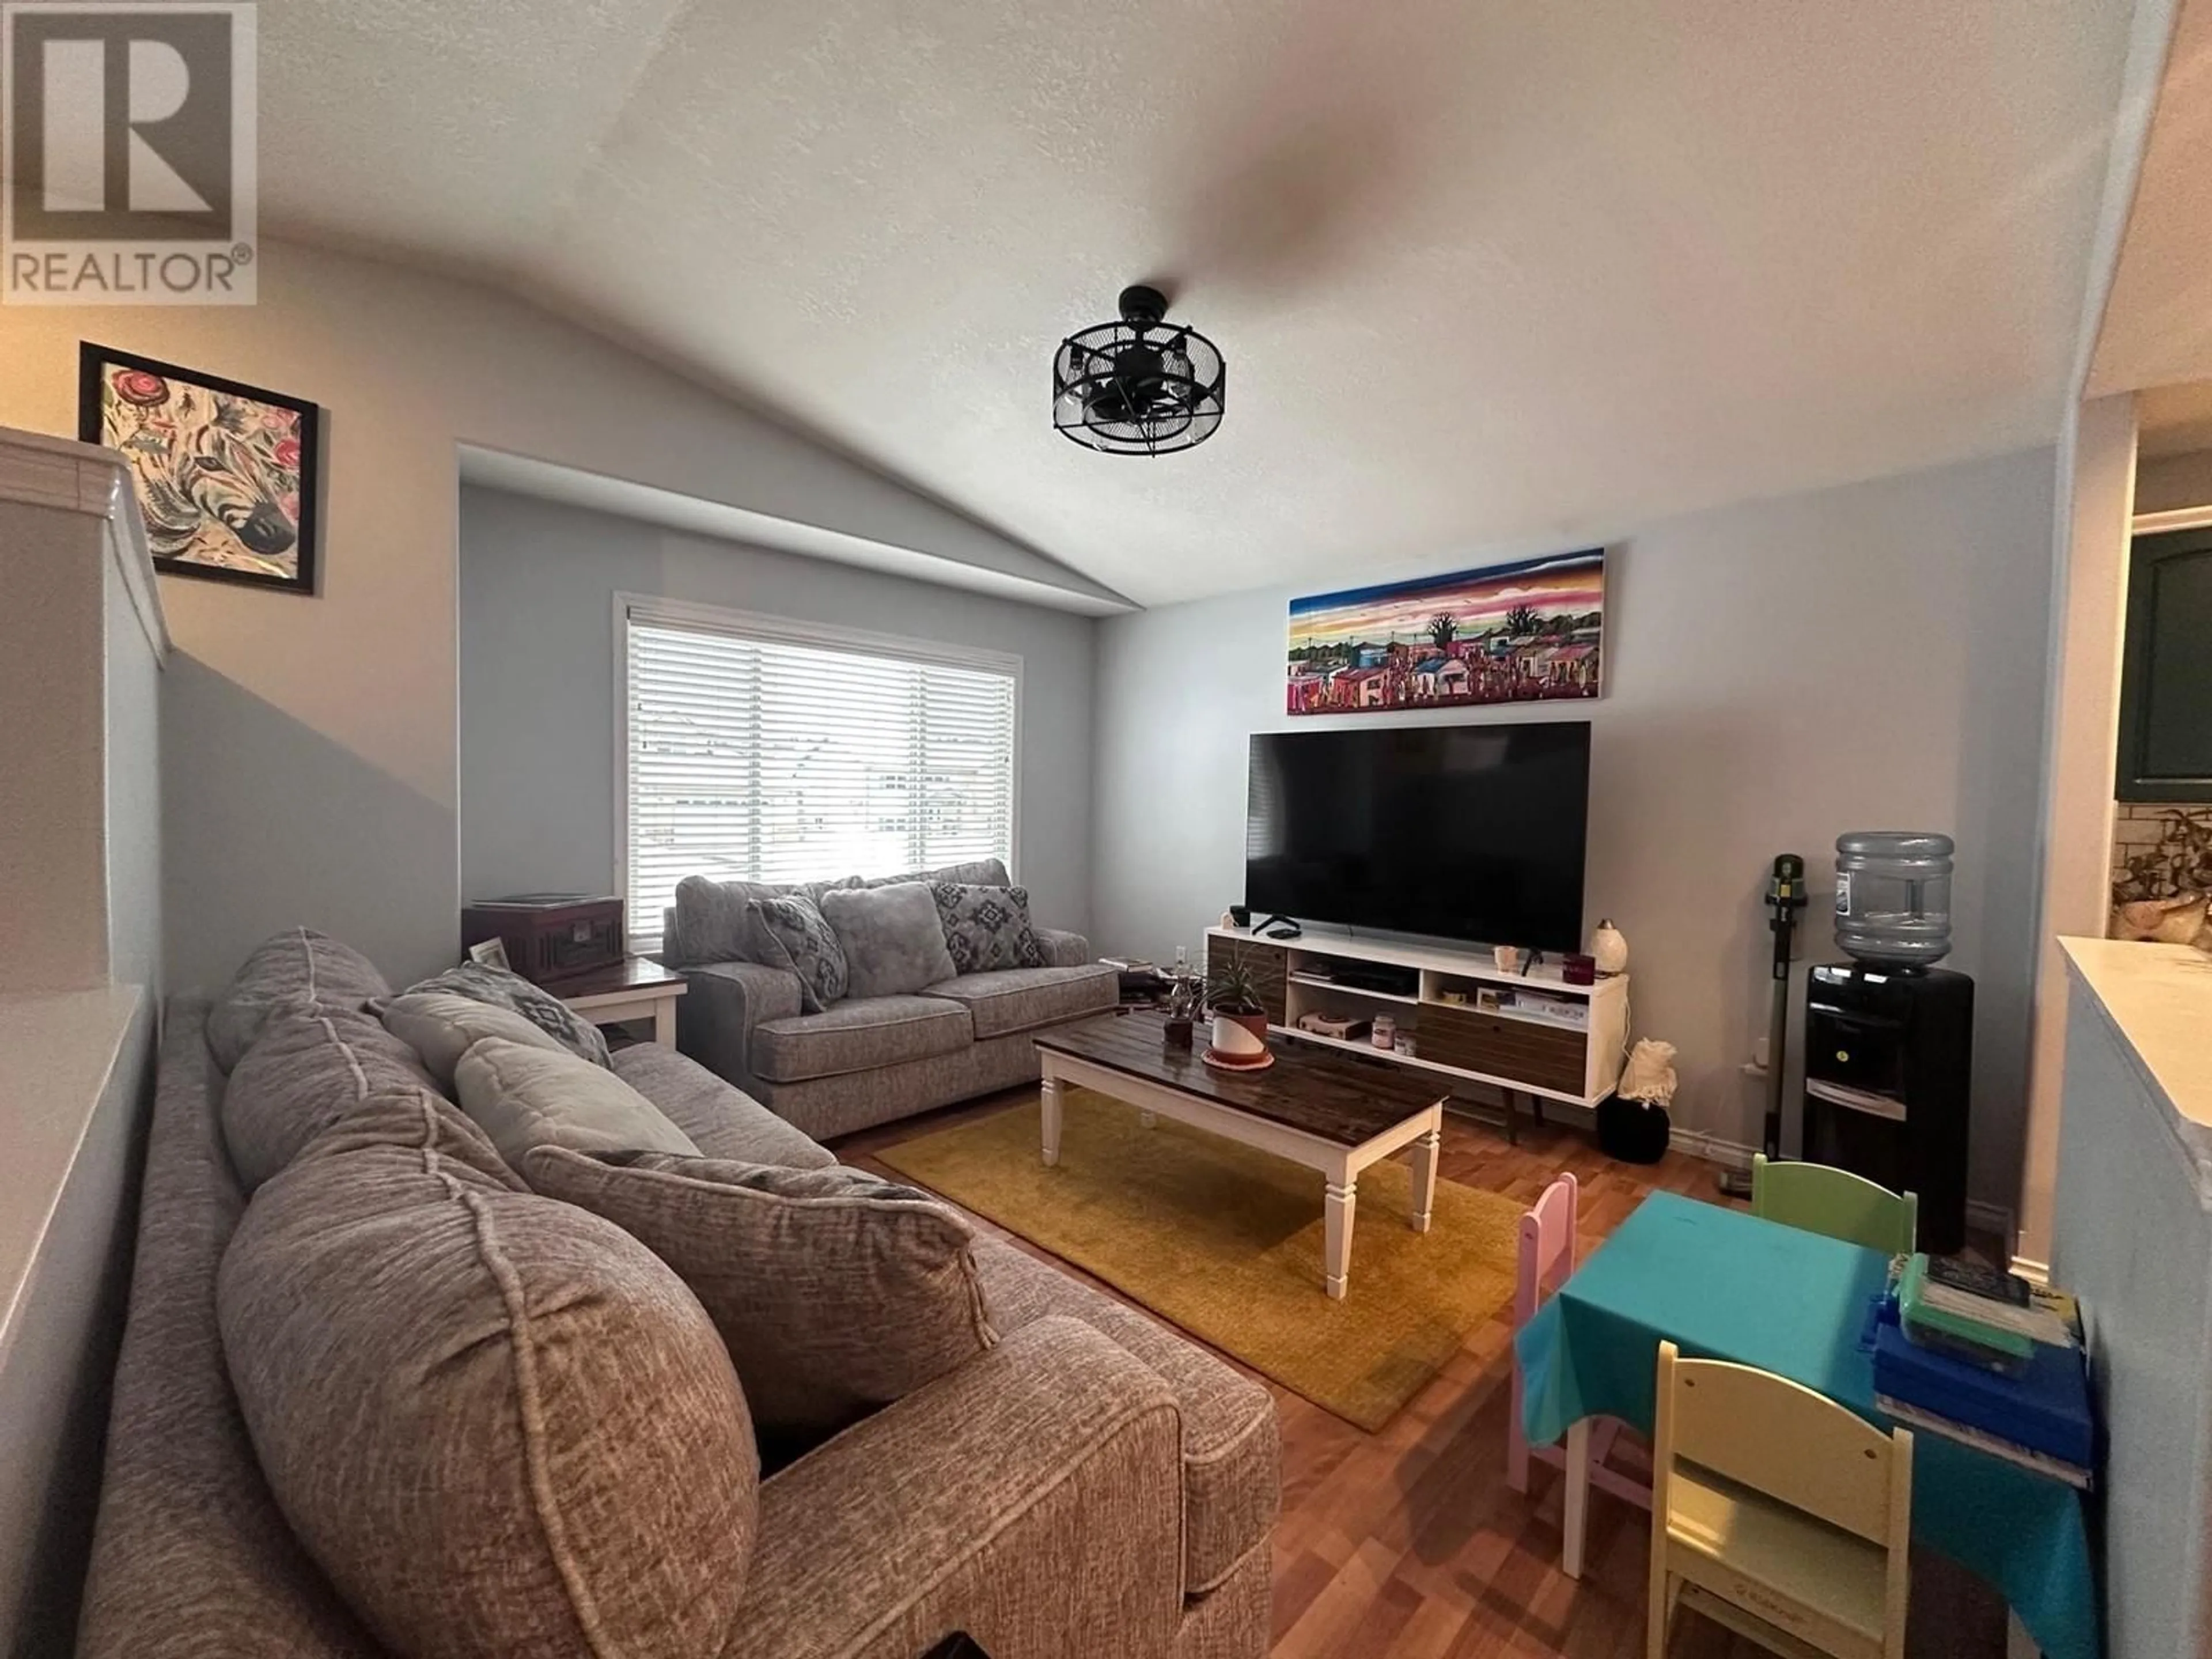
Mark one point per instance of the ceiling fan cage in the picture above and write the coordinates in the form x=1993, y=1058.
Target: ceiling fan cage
x=1139, y=387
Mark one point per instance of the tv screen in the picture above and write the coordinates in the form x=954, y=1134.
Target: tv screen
x=1466, y=832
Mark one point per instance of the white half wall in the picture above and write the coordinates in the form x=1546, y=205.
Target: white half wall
x=1778, y=672
x=314, y=740
x=2095, y=500
x=537, y=685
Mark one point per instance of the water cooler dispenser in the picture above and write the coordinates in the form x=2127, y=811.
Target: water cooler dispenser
x=1889, y=1036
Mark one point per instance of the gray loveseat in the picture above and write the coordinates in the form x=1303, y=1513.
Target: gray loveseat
x=866, y=1061
x=1093, y=1485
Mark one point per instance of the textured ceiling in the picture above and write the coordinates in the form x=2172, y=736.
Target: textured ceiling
x=1484, y=272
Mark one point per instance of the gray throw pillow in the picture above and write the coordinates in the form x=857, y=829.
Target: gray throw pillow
x=710, y=920
x=498, y=1424
x=987, y=928
x=524, y=1095
x=790, y=933
x=893, y=942
x=502, y=988
x=441, y=1026
x=835, y=1292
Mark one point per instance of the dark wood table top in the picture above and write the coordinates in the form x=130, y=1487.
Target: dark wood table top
x=1317, y=1090
x=630, y=974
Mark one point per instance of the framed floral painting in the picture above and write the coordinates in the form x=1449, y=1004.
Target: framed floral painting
x=226, y=472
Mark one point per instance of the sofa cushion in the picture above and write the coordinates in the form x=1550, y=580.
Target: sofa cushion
x=835, y=1292
x=858, y=1035
x=310, y=1065
x=441, y=1026
x=525, y=1097
x=978, y=872
x=1024, y=998
x=975, y=872
x=987, y=928
x=295, y=964
x=501, y=987
x=893, y=941
x=722, y=1121
x=1231, y=1448
x=706, y=923
x=499, y=1423
x=791, y=935
x=414, y=1116
x=709, y=922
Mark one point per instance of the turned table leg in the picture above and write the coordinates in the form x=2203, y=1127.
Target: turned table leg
x=1339, y=1204
x=1424, y=1178
x=1053, y=1088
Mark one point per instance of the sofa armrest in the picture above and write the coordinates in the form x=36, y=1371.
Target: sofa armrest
x=1062, y=949
x=722, y=1002
x=1032, y=1499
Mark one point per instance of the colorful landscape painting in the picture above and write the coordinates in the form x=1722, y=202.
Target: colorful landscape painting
x=1525, y=632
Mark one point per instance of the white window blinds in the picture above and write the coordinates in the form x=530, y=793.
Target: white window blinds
x=758, y=750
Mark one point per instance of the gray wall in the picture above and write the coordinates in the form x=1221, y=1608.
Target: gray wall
x=1778, y=672
x=537, y=669
x=314, y=738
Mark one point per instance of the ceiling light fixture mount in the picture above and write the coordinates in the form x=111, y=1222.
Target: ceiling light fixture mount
x=1139, y=386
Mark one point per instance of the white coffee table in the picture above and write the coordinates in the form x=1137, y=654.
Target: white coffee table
x=1328, y=1112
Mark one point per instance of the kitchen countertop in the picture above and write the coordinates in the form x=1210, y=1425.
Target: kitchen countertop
x=2157, y=999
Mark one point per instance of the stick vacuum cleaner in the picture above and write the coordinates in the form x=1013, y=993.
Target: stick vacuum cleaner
x=1786, y=899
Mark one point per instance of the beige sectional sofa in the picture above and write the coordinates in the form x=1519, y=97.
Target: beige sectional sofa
x=871, y=1059
x=1089, y=1484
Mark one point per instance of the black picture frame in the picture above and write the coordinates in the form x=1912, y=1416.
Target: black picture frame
x=265, y=517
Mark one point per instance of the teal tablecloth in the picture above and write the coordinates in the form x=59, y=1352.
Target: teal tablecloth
x=1723, y=1285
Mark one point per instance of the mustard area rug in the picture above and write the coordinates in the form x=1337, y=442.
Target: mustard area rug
x=1225, y=1241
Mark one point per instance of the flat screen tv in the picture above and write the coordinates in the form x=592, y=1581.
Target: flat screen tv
x=1464, y=832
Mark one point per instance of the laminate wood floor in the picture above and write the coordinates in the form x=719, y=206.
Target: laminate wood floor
x=1409, y=1544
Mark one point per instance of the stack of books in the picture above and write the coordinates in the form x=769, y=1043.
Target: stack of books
x=1985, y=1358
x=1983, y=1315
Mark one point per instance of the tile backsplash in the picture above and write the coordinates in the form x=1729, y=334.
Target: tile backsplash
x=2161, y=851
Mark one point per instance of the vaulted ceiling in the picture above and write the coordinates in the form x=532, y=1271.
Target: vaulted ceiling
x=1485, y=272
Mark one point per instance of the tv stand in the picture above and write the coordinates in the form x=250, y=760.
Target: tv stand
x=1528, y=1033
x=1278, y=927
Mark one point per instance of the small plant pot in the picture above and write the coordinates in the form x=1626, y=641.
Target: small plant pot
x=1178, y=1032
x=1239, y=1036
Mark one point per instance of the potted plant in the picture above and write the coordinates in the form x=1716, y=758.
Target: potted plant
x=1240, y=1018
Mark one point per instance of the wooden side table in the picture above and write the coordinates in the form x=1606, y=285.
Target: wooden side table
x=638, y=988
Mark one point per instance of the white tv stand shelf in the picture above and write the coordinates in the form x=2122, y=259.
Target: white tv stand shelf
x=1532, y=1032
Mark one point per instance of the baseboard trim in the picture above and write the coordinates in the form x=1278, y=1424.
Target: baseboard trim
x=1729, y=1154
x=1735, y=1155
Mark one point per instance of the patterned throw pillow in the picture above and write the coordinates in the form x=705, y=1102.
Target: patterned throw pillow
x=987, y=928
x=790, y=933
x=502, y=988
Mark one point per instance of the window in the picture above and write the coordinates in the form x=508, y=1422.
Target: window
x=759, y=749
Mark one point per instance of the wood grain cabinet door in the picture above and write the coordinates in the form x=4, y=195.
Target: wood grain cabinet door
x=1269, y=967
x=1546, y=1056
x=2166, y=682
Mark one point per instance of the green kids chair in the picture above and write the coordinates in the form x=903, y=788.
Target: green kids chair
x=1823, y=1199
